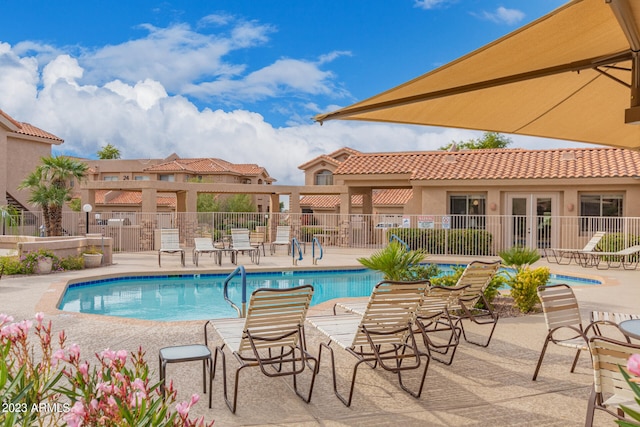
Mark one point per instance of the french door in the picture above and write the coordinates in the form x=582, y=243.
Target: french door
x=529, y=221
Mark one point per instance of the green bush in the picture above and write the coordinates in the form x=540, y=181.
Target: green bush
x=394, y=261
x=11, y=265
x=524, y=287
x=72, y=263
x=453, y=242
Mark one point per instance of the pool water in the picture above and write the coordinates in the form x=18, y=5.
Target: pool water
x=200, y=296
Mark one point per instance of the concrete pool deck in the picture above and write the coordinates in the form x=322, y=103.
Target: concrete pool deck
x=484, y=386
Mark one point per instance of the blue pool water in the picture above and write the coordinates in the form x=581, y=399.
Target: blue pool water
x=199, y=296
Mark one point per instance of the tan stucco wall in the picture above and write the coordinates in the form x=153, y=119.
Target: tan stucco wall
x=22, y=158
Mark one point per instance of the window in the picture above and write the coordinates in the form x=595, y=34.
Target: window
x=467, y=211
x=600, y=212
x=110, y=178
x=324, y=177
x=141, y=178
x=165, y=177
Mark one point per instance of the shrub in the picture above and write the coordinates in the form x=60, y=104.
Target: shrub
x=30, y=260
x=454, y=242
x=72, y=263
x=519, y=257
x=524, y=286
x=11, y=265
x=393, y=261
x=116, y=391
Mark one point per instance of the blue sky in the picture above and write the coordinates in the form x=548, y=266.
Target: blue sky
x=235, y=79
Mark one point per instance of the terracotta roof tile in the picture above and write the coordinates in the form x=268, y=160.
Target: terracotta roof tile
x=29, y=129
x=207, y=165
x=130, y=198
x=382, y=197
x=498, y=164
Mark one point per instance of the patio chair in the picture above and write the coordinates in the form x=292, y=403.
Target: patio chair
x=283, y=238
x=203, y=245
x=271, y=338
x=241, y=244
x=170, y=243
x=432, y=318
x=610, y=390
x=558, y=255
x=257, y=238
x=627, y=258
x=475, y=278
x=382, y=336
x=564, y=324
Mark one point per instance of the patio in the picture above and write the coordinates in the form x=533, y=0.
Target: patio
x=489, y=386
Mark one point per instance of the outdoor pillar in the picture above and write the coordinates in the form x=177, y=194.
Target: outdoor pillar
x=149, y=200
x=274, y=214
x=4, y=167
x=187, y=201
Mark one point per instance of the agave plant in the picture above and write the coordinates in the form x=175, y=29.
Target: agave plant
x=394, y=261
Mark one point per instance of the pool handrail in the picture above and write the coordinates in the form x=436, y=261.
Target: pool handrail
x=295, y=244
x=243, y=277
x=313, y=250
x=399, y=240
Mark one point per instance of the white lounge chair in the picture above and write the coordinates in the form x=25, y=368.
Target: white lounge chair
x=558, y=255
x=170, y=243
x=203, y=245
x=240, y=243
x=283, y=238
x=627, y=258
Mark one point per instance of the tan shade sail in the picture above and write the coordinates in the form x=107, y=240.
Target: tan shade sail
x=567, y=75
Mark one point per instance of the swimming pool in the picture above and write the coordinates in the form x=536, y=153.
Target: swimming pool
x=200, y=296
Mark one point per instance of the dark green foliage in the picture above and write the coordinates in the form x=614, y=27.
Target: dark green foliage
x=519, y=257
x=394, y=261
x=493, y=289
x=451, y=242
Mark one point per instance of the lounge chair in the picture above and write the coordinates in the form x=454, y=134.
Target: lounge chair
x=610, y=390
x=381, y=336
x=558, y=255
x=564, y=324
x=283, y=233
x=203, y=245
x=271, y=337
x=256, y=238
x=241, y=244
x=432, y=318
x=627, y=258
x=475, y=278
x=170, y=243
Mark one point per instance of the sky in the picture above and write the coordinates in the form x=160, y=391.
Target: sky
x=239, y=80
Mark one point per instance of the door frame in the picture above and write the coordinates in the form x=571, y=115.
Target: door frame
x=531, y=218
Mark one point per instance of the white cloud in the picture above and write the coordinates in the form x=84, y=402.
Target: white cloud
x=430, y=4
x=503, y=15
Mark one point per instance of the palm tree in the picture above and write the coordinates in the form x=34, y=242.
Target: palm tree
x=49, y=188
x=394, y=261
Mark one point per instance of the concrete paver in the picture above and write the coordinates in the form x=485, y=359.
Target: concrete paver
x=484, y=386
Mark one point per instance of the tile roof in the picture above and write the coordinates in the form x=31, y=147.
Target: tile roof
x=207, y=165
x=395, y=196
x=29, y=129
x=130, y=198
x=498, y=164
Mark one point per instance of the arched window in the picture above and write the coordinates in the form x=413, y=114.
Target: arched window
x=324, y=177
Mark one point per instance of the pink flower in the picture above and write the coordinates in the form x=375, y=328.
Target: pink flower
x=137, y=398
x=138, y=384
x=83, y=368
x=57, y=356
x=183, y=409
x=39, y=317
x=74, y=350
x=122, y=355
x=5, y=318
x=633, y=364
x=76, y=415
x=108, y=354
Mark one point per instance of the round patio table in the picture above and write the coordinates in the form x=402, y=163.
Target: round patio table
x=631, y=328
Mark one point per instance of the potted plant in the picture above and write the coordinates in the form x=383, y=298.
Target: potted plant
x=38, y=262
x=92, y=257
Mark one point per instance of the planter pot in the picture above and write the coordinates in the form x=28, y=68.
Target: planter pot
x=44, y=266
x=92, y=260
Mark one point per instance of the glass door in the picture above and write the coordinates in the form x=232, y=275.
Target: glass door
x=529, y=223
